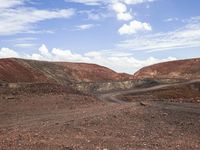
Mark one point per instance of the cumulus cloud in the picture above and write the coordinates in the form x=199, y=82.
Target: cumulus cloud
x=184, y=37
x=124, y=16
x=122, y=62
x=120, y=7
x=121, y=11
x=7, y=53
x=43, y=50
x=118, y=61
x=67, y=55
x=16, y=17
x=133, y=27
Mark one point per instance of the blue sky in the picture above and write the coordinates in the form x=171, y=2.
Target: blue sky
x=124, y=35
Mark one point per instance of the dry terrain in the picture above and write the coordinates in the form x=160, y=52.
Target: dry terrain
x=37, y=111
x=30, y=71
x=180, y=69
x=188, y=92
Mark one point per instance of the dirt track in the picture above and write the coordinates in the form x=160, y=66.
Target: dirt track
x=100, y=125
x=112, y=96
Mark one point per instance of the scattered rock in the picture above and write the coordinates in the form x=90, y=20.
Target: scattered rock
x=88, y=141
x=114, y=116
x=68, y=148
x=10, y=97
x=143, y=104
x=170, y=133
x=165, y=114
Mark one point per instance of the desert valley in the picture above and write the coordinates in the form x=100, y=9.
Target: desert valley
x=99, y=75
x=75, y=106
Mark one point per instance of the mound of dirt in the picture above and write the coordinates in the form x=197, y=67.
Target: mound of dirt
x=13, y=71
x=34, y=89
x=181, y=69
x=83, y=72
x=181, y=93
x=30, y=71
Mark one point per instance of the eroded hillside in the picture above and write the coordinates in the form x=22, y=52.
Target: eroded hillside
x=181, y=69
x=20, y=70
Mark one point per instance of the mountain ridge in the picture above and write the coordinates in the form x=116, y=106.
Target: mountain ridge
x=178, y=69
x=24, y=70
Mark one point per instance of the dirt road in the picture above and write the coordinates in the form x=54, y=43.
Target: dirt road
x=112, y=96
x=112, y=124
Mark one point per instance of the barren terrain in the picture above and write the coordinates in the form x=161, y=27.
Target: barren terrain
x=37, y=111
x=73, y=121
x=179, y=69
x=14, y=70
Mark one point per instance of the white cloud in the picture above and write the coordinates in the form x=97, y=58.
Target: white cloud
x=85, y=26
x=87, y=2
x=21, y=39
x=134, y=2
x=10, y=3
x=7, y=53
x=124, y=16
x=24, y=45
x=94, y=54
x=105, y=2
x=35, y=57
x=170, y=19
x=43, y=50
x=23, y=19
x=95, y=14
x=119, y=61
x=184, y=37
x=133, y=27
x=121, y=11
x=63, y=55
x=119, y=7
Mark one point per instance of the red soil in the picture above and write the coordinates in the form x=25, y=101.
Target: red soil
x=181, y=69
x=12, y=71
x=20, y=70
x=92, y=72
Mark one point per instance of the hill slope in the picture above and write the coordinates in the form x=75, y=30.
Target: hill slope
x=181, y=69
x=29, y=71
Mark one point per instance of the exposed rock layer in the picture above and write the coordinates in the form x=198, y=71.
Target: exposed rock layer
x=181, y=69
x=30, y=71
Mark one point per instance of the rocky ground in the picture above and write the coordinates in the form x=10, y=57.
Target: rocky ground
x=178, y=69
x=180, y=93
x=70, y=120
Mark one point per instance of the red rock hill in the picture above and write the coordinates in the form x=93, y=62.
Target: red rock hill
x=14, y=70
x=180, y=69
